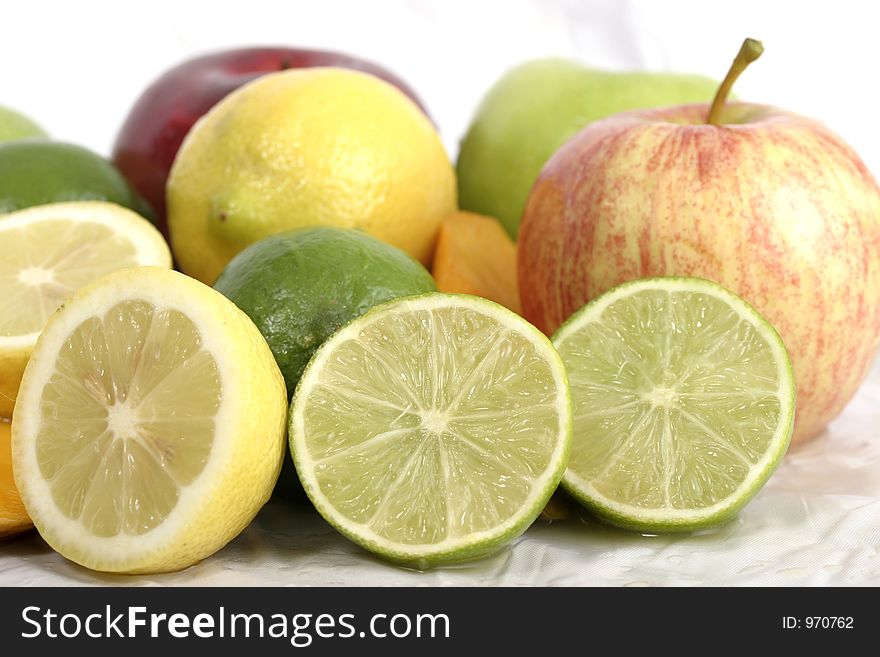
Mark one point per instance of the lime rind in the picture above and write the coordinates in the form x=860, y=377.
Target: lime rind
x=449, y=550
x=663, y=519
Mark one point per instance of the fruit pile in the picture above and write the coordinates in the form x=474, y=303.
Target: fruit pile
x=613, y=294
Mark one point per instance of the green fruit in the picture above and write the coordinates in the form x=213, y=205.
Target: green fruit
x=533, y=110
x=17, y=126
x=300, y=286
x=433, y=429
x=683, y=400
x=37, y=172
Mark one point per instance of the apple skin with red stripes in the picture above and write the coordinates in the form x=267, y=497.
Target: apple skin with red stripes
x=770, y=204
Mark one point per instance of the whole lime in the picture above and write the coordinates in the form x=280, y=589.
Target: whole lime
x=38, y=171
x=14, y=125
x=300, y=286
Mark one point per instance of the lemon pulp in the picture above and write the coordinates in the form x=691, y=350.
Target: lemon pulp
x=50, y=251
x=44, y=263
x=127, y=418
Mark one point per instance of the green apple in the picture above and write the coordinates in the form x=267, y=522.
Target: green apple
x=17, y=126
x=533, y=109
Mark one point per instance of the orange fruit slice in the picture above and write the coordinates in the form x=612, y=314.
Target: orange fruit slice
x=475, y=255
x=13, y=517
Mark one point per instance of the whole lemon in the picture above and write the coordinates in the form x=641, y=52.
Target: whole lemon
x=320, y=146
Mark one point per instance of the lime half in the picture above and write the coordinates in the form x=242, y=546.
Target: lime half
x=433, y=428
x=683, y=400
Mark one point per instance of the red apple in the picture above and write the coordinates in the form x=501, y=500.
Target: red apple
x=770, y=204
x=154, y=129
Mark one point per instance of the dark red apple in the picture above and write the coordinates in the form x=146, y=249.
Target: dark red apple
x=154, y=129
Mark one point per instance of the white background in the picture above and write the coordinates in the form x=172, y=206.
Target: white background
x=78, y=66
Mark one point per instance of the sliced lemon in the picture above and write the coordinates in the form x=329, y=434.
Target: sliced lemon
x=150, y=424
x=433, y=428
x=48, y=252
x=683, y=402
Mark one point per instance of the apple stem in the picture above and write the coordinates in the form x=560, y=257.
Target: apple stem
x=750, y=51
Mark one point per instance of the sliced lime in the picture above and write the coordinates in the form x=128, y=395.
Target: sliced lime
x=432, y=429
x=683, y=400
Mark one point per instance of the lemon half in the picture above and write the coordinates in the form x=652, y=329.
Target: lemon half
x=49, y=251
x=150, y=424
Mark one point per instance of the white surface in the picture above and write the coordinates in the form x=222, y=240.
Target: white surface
x=77, y=67
x=817, y=522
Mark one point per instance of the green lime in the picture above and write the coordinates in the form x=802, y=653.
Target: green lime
x=302, y=285
x=38, y=172
x=683, y=402
x=432, y=429
x=17, y=126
